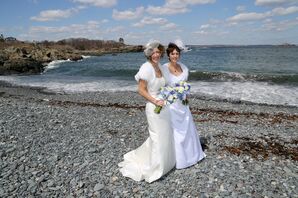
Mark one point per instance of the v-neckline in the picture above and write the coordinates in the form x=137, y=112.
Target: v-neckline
x=155, y=72
x=174, y=74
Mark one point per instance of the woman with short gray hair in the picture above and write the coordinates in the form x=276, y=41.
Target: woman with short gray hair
x=156, y=156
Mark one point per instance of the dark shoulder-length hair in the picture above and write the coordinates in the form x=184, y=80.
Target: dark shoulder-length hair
x=171, y=48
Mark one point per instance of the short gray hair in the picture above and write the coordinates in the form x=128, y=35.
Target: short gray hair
x=150, y=47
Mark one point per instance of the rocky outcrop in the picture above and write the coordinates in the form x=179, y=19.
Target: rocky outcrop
x=21, y=65
x=128, y=48
x=30, y=58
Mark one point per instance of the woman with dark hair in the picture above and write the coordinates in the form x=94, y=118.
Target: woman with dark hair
x=188, y=149
x=156, y=156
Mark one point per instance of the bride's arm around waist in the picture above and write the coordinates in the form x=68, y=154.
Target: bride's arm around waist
x=143, y=91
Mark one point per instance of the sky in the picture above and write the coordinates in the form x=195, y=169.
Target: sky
x=198, y=22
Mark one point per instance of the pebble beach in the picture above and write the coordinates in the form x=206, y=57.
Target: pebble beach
x=69, y=145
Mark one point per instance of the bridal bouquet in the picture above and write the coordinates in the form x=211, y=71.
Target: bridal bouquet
x=170, y=94
x=183, y=89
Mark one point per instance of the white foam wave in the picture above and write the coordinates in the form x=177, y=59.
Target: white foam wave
x=256, y=92
x=95, y=86
x=55, y=64
x=70, y=85
x=235, y=74
x=84, y=57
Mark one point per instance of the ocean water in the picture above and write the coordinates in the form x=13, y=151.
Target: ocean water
x=257, y=74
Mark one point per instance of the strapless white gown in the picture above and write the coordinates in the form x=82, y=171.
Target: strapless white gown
x=188, y=148
x=156, y=156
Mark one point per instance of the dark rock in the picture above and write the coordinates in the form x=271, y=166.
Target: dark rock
x=21, y=65
x=204, y=143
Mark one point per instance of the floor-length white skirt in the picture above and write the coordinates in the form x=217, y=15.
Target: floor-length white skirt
x=188, y=148
x=156, y=156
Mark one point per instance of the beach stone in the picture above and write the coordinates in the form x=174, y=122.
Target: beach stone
x=98, y=187
x=62, y=147
x=50, y=183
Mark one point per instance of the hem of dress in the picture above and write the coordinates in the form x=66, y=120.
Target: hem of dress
x=191, y=164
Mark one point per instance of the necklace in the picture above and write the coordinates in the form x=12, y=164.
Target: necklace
x=175, y=68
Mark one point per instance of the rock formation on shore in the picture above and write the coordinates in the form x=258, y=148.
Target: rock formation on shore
x=18, y=57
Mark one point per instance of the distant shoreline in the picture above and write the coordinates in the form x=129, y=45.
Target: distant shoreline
x=264, y=45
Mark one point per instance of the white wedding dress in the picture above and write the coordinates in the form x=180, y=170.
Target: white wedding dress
x=188, y=148
x=156, y=156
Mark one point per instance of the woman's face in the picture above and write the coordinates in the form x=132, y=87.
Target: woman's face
x=174, y=56
x=155, y=57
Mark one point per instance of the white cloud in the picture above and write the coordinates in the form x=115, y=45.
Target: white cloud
x=193, y=2
x=249, y=16
x=253, y=16
x=90, y=30
x=169, y=26
x=165, y=10
x=90, y=26
x=206, y=26
x=115, y=29
x=184, y=3
x=93, y=23
x=104, y=21
x=128, y=14
x=98, y=3
x=175, y=6
x=150, y=21
x=211, y=33
x=279, y=26
x=240, y=8
x=45, y=29
x=201, y=32
x=54, y=15
x=231, y=24
x=268, y=20
x=285, y=11
x=274, y=2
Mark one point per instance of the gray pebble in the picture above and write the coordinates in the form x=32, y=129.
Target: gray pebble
x=69, y=145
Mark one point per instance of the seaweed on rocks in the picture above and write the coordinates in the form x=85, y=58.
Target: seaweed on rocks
x=264, y=148
x=85, y=104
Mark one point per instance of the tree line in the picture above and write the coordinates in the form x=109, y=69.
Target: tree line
x=76, y=43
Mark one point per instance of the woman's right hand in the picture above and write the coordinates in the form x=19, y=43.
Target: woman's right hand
x=159, y=102
x=142, y=89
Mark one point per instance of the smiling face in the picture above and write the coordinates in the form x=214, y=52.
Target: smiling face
x=173, y=52
x=174, y=56
x=155, y=57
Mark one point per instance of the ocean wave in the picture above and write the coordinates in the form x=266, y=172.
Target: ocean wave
x=291, y=79
x=254, y=92
x=55, y=64
x=85, y=57
x=70, y=84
